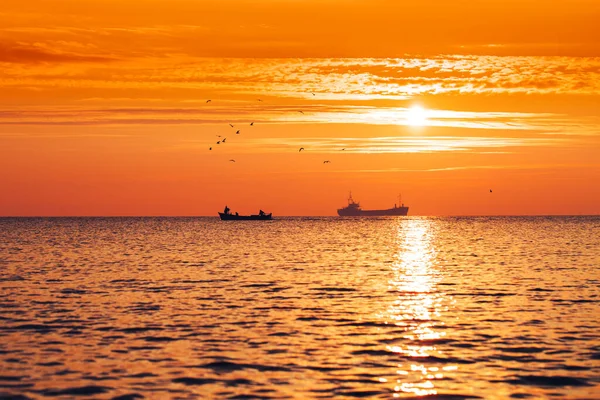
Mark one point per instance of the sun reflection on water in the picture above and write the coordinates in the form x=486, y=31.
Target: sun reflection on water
x=416, y=307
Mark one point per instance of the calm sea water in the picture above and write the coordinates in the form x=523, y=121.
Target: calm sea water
x=300, y=308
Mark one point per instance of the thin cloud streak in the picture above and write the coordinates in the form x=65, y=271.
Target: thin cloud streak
x=404, y=144
x=377, y=145
x=312, y=114
x=35, y=54
x=548, y=168
x=479, y=167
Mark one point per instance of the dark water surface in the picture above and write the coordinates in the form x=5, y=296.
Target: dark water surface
x=449, y=308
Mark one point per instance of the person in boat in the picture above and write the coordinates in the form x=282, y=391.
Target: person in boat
x=226, y=210
x=261, y=213
x=236, y=213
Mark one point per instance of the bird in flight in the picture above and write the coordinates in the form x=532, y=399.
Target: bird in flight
x=301, y=148
x=208, y=101
x=231, y=125
x=326, y=162
x=232, y=160
x=238, y=132
x=218, y=142
x=251, y=123
x=490, y=190
x=313, y=94
x=218, y=135
x=224, y=139
x=259, y=99
x=301, y=112
x=343, y=149
x=210, y=148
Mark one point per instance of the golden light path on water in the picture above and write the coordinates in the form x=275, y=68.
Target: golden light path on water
x=416, y=307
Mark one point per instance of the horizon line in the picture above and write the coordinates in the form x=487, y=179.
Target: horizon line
x=303, y=216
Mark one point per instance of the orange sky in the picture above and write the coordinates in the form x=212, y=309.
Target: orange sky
x=103, y=106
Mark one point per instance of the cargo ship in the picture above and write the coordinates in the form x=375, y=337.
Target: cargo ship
x=353, y=210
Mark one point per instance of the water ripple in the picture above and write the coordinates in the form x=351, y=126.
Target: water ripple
x=434, y=308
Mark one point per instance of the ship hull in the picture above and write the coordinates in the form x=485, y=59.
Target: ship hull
x=233, y=217
x=398, y=211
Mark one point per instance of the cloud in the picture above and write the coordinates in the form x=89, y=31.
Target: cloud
x=503, y=167
x=377, y=145
x=260, y=113
x=331, y=79
x=403, y=144
x=33, y=54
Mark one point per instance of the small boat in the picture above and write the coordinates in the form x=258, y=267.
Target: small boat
x=226, y=215
x=236, y=217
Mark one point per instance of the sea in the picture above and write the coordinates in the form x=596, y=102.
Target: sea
x=300, y=308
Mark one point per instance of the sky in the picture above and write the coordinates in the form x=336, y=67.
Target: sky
x=104, y=106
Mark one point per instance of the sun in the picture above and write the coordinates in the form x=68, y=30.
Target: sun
x=416, y=116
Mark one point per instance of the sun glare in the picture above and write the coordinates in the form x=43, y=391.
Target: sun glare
x=416, y=116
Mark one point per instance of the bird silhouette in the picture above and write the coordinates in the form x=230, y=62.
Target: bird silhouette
x=326, y=162
x=251, y=123
x=208, y=101
x=238, y=132
x=224, y=139
x=218, y=135
x=232, y=160
x=231, y=125
x=313, y=94
x=301, y=112
x=490, y=190
x=301, y=148
x=218, y=142
x=343, y=149
x=210, y=148
x=259, y=99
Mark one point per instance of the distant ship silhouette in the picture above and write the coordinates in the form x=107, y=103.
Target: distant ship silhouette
x=353, y=210
x=226, y=215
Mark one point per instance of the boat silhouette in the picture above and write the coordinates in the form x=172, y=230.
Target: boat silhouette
x=227, y=215
x=353, y=210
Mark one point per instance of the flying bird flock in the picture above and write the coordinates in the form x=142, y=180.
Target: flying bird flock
x=238, y=131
